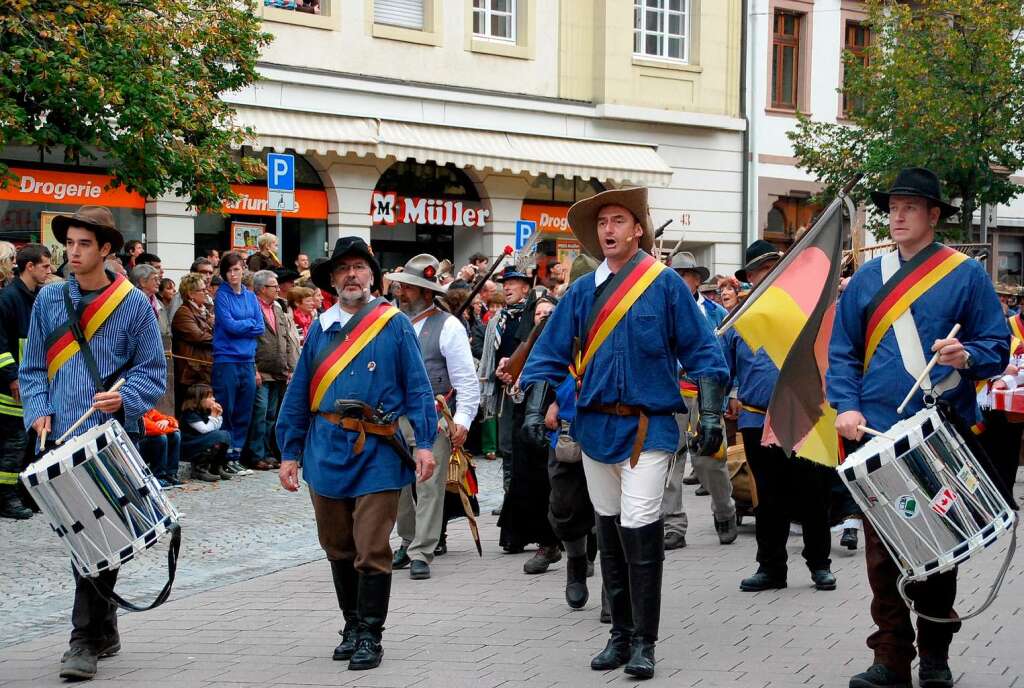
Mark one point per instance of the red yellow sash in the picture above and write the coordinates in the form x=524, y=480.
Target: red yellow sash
x=616, y=300
x=688, y=389
x=1017, y=330
x=360, y=331
x=93, y=311
x=910, y=282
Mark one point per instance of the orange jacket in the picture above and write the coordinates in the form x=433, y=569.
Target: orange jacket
x=152, y=417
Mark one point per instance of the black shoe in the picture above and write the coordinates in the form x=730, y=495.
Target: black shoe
x=934, y=673
x=645, y=554
x=762, y=581
x=78, y=664
x=674, y=540
x=420, y=570
x=109, y=646
x=691, y=479
x=849, y=539
x=374, y=595
x=542, y=559
x=615, y=654
x=576, y=593
x=346, y=587
x=878, y=676
x=496, y=512
x=823, y=579
x=727, y=530
x=701, y=491
x=401, y=558
x=11, y=506
x=442, y=546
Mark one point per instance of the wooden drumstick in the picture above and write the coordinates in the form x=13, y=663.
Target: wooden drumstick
x=85, y=416
x=868, y=431
x=42, y=439
x=924, y=374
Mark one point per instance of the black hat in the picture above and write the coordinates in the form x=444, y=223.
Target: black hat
x=512, y=272
x=286, y=275
x=94, y=218
x=757, y=253
x=345, y=246
x=915, y=181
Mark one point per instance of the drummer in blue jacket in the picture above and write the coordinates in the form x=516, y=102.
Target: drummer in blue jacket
x=872, y=368
x=359, y=349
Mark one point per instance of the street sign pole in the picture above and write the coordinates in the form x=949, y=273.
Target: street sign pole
x=280, y=186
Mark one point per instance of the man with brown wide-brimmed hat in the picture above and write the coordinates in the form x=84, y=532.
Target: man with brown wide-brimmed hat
x=444, y=345
x=624, y=330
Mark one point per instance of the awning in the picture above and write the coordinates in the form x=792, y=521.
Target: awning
x=483, y=150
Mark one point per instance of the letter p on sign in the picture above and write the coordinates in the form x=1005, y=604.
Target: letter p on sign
x=280, y=172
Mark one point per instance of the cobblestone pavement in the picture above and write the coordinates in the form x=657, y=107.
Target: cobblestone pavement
x=477, y=622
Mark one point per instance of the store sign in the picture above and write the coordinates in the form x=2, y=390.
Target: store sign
x=388, y=208
x=68, y=188
x=550, y=218
x=310, y=204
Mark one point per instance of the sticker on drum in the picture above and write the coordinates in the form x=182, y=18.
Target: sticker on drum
x=966, y=476
x=943, y=501
x=906, y=505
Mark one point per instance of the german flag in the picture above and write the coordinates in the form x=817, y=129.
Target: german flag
x=790, y=316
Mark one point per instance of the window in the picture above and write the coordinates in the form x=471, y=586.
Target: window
x=660, y=28
x=407, y=14
x=858, y=38
x=495, y=19
x=786, y=60
x=307, y=6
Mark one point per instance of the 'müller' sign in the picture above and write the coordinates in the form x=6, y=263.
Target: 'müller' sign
x=388, y=208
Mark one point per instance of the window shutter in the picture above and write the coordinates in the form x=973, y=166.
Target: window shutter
x=404, y=13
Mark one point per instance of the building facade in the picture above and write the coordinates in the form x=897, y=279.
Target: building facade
x=424, y=125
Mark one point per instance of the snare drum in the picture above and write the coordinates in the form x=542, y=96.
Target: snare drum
x=101, y=499
x=926, y=495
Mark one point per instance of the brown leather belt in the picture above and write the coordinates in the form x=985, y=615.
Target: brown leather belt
x=626, y=410
x=362, y=427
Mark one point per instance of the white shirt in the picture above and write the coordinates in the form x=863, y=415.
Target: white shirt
x=454, y=345
x=458, y=358
x=601, y=273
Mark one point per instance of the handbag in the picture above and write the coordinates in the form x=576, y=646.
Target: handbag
x=567, y=450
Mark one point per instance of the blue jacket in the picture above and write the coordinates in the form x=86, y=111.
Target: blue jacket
x=755, y=375
x=637, y=364
x=388, y=374
x=964, y=296
x=238, y=322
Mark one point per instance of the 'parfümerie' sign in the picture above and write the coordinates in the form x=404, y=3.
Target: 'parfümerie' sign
x=388, y=208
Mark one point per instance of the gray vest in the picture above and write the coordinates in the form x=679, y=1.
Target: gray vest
x=433, y=361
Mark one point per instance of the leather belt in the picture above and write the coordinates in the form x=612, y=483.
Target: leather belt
x=363, y=427
x=618, y=409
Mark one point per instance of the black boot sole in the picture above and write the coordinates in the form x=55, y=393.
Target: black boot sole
x=364, y=667
x=639, y=672
x=760, y=588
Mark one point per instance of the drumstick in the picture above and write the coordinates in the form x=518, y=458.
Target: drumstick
x=865, y=429
x=42, y=439
x=85, y=416
x=924, y=374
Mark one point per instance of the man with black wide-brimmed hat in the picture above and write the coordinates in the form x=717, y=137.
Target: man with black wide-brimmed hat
x=359, y=371
x=895, y=313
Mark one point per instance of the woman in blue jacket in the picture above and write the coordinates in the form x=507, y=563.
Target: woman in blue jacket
x=237, y=324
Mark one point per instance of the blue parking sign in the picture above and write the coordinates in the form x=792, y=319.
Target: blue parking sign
x=524, y=230
x=280, y=172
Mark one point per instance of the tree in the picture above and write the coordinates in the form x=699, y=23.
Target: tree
x=942, y=87
x=138, y=81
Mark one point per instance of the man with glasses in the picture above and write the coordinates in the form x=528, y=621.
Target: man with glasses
x=276, y=356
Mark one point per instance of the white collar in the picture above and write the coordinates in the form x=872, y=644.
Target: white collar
x=700, y=299
x=330, y=316
x=601, y=273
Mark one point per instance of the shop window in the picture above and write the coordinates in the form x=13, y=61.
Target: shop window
x=857, y=40
x=789, y=218
x=495, y=19
x=407, y=14
x=661, y=29
x=304, y=6
x=559, y=189
x=786, y=60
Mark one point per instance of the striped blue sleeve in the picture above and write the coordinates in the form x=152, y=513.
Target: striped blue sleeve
x=35, y=389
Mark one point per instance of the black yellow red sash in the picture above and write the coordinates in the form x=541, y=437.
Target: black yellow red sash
x=1017, y=330
x=912, y=280
x=612, y=304
x=93, y=311
x=353, y=338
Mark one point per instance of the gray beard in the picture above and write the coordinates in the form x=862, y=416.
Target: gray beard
x=412, y=308
x=351, y=301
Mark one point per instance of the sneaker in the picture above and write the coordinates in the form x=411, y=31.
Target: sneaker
x=78, y=664
x=225, y=473
x=206, y=475
x=400, y=559
x=164, y=485
x=239, y=468
x=879, y=676
x=542, y=559
x=174, y=482
x=934, y=673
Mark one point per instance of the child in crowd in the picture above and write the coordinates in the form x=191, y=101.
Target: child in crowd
x=202, y=438
x=161, y=447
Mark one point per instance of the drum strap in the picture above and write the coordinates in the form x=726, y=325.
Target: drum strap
x=107, y=592
x=909, y=339
x=75, y=326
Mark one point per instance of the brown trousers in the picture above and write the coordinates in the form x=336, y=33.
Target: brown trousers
x=357, y=529
x=893, y=642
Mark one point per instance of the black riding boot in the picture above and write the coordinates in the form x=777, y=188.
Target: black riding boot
x=645, y=552
x=615, y=579
x=346, y=587
x=576, y=593
x=374, y=595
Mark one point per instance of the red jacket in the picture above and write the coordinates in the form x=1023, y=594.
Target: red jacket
x=152, y=417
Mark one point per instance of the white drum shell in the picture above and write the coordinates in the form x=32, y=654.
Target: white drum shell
x=100, y=498
x=902, y=482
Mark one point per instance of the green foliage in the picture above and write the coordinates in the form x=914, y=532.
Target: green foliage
x=944, y=89
x=139, y=80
